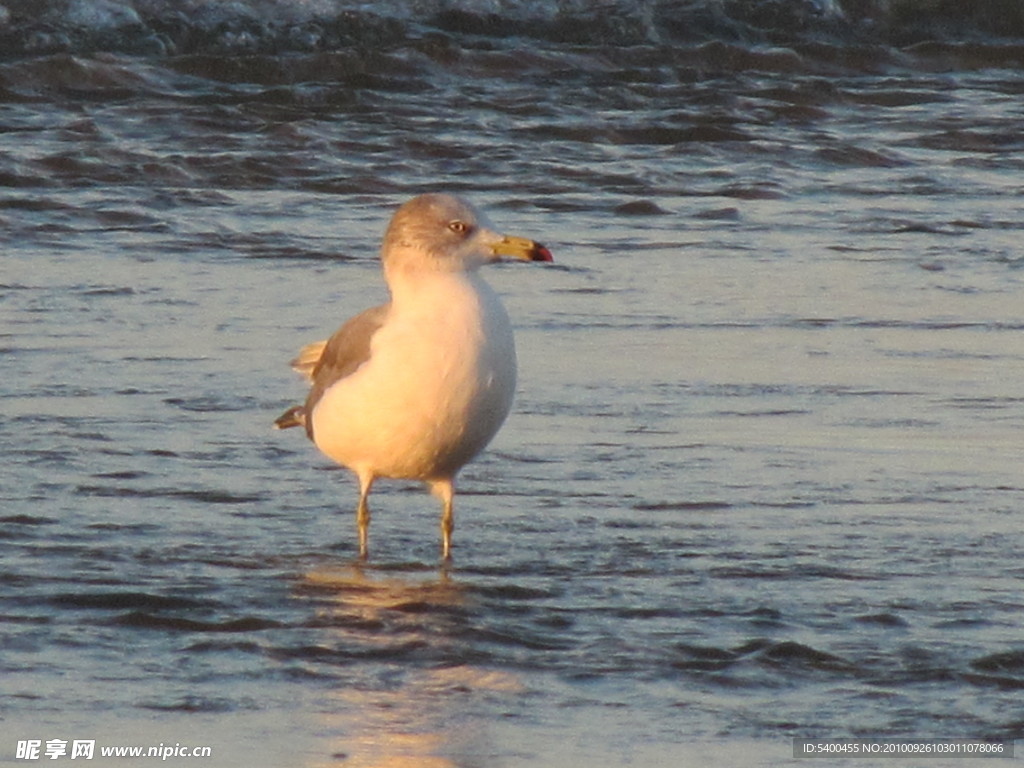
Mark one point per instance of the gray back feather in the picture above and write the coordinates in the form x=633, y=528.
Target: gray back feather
x=345, y=351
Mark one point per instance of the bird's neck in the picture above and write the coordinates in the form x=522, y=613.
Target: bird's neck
x=414, y=288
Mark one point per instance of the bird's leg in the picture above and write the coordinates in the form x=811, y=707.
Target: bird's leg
x=447, y=526
x=363, y=516
x=363, y=519
x=445, y=491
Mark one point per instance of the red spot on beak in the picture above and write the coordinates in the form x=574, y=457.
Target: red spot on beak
x=541, y=253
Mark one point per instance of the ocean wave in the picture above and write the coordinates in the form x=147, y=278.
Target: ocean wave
x=176, y=27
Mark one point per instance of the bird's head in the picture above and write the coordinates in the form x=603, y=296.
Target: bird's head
x=439, y=232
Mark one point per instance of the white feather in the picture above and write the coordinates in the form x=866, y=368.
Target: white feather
x=437, y=387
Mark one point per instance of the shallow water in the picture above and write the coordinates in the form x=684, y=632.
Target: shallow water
x=763, y=475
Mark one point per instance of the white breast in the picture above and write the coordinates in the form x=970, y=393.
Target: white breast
x=436, y=389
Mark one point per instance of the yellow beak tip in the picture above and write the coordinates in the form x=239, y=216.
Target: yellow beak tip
x=523, y=249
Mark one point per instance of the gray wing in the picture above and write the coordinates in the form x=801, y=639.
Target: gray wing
x=307, y=359
x=342, y=355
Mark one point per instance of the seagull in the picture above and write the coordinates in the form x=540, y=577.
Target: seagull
x=415, y=388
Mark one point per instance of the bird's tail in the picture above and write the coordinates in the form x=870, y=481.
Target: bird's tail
x=293, y=417
x=307, y=359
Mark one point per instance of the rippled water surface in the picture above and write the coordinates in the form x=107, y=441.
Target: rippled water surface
x=763, y=475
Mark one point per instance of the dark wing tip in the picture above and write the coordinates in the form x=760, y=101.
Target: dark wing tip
x=293, y=417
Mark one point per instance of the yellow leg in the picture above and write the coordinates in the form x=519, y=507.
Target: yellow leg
x=447, y=526
x=363, y=517
x=445, y=491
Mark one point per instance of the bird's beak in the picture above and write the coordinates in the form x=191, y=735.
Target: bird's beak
x=521, y=248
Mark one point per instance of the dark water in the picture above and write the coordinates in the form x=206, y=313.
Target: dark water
x=763, y=476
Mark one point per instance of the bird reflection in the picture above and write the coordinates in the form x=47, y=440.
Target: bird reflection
x=410, y=701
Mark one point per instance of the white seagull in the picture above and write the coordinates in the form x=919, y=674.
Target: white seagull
x=415, y=388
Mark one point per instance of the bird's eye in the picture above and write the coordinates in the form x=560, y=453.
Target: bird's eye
x=459, y=227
